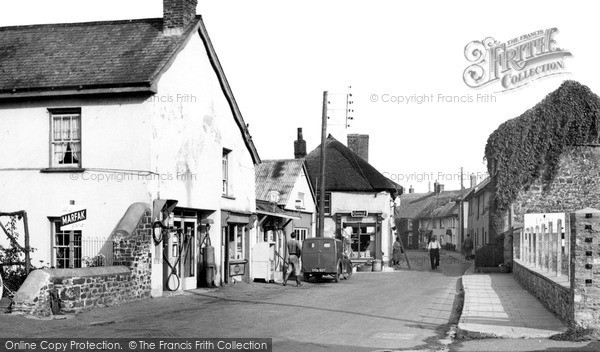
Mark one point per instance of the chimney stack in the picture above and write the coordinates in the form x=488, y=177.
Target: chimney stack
x=177, y=15
x=473, y=180
x=299, y=146
x=411, y=189
x=359, y=144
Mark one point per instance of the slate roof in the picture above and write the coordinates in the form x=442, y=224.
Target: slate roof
x=346, y=171
x=98, y=58
x=277, y=175
x=80, y=56
x=427, y=205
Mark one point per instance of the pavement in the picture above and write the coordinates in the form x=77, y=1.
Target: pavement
x=495, y=305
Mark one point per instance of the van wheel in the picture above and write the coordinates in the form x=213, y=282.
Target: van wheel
x=336, y=276
x=306, y=277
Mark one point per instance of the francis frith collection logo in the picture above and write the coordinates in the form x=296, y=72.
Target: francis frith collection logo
x=515, y=63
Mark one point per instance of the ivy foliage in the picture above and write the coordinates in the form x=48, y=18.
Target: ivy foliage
x=528, y=147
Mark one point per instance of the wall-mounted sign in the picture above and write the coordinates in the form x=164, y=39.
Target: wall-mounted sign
x=237, y=269
x=359, y=213
x=74, y=220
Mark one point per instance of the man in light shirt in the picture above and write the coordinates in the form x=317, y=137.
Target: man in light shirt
x=434, y=252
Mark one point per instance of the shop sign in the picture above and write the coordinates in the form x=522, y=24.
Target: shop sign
x=73, y=220
x=237, y=269
x=359, y=213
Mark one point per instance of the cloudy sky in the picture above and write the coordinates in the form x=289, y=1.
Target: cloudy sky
x=279, y=57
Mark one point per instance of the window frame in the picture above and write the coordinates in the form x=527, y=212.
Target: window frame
x=327, y=207
x=303, y=236
x=225, y=174
x=73, y=261
x=62, y=112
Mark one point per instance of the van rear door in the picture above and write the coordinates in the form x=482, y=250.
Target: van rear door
x=328, y=257
x=310, y=254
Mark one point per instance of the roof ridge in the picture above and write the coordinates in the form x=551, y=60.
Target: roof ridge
x=86, y=23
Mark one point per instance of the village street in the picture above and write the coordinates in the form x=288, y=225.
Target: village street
x=370, y=311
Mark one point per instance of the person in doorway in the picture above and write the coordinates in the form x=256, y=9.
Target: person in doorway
x=467, y=246
x=396, y=251
x=434, y=252
x=294, y=251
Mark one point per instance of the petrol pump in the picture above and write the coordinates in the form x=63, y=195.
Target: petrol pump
x=173, y=240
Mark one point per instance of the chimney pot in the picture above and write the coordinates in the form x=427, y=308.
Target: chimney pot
x=473, y=180
x=299, y=146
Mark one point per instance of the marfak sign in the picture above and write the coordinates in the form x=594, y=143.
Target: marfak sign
x=515, y=63
x=74, y=217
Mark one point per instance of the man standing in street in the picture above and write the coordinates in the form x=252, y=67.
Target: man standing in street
x=467, y=247
x=434, y=252
x=294, y=252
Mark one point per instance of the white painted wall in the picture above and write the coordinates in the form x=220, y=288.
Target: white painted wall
x=109, y=152
x=344, y=202
x=174, y=138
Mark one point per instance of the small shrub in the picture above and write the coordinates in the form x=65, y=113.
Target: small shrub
x=90, y=262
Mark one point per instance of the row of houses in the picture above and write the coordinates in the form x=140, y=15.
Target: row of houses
x=100, y=116
x=449, y=215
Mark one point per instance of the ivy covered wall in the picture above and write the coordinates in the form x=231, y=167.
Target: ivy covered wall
x=541, y=160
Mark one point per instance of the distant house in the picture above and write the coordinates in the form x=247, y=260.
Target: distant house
x=357, y=199
x=285, y=203
x=478, y=226
x=101, y=115
x=429, y=214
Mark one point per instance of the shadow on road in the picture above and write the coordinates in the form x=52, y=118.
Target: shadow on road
x=317, y=309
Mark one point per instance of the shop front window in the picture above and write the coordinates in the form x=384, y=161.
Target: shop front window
x=363, y=241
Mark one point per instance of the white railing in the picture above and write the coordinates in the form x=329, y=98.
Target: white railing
x=96, y=251
x=546, y=248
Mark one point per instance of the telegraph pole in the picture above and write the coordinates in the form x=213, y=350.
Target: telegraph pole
x=321, y=229
x=461, y=214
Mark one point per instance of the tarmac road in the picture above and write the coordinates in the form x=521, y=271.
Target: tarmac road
x=403, y=309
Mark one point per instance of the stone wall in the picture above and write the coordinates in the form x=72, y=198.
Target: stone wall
x=133, y=249
x=77, y=289
x=577, y=301
x=585, y=234
x=82, y=288
x=554, y=296
x=576, y=186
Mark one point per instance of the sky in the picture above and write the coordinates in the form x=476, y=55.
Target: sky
x=280, y=56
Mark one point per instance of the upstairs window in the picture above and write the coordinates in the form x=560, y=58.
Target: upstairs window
x=300, y=201
x=327, y=205
x=65, y=134
x=225, y=171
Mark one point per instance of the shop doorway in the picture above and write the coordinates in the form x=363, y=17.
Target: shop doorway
x=179, y=253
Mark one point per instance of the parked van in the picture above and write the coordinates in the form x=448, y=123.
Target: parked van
x=324, y=256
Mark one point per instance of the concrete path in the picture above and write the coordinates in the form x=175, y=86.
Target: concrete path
x=496, y=305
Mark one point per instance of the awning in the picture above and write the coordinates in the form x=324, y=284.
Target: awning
x=228, y=217
x=266, y=208
x=279, y=215
x=166, y=205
